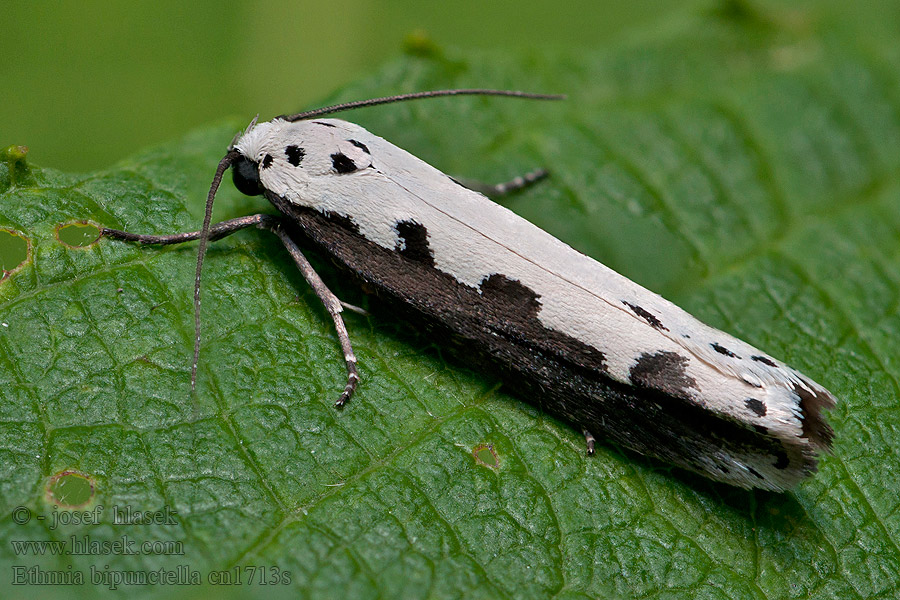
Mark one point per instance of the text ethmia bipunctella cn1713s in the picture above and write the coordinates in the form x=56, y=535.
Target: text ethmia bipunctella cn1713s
x=587, y=344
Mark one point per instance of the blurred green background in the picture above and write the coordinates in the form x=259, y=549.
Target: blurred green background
x=87, y=83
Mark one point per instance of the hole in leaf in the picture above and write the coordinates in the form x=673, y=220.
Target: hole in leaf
x=485, y=455
x=13, y=252
x=70, y=489
x=78, y=235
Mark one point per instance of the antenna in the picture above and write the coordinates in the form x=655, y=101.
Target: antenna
x=327, y=110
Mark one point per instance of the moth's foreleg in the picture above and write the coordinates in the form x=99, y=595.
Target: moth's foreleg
x=507, y=187
x=332, y=304
x=216, y=232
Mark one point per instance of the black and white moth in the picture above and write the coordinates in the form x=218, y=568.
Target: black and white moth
x=585, y=343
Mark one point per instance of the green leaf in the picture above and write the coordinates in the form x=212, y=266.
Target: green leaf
x=746, y=167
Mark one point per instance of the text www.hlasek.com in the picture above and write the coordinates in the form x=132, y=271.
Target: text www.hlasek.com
x=78, y=545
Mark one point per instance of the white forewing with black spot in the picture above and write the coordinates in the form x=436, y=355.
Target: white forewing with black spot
x=577, y=338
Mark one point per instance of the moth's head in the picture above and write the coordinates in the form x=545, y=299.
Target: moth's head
x=248, y=152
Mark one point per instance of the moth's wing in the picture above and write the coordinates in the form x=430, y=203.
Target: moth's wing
x=573, y=302
x=514, y=247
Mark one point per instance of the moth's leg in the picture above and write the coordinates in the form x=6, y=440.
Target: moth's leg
x=502, y=189
x=332, y=304
x=590, y=440
x=216, y=232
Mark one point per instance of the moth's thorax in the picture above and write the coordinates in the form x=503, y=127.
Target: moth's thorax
x=298, y=161
x=306, y=146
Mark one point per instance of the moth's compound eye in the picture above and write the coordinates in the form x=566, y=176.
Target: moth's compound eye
x=245, y=174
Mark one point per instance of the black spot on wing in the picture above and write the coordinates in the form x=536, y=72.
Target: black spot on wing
x=360, y=145
x=520, y=299
x=267, y=161
x=323, y=124
x=342, y=163
x=507, y=311
x=645, y=314
x=782, y=461
x=764, y=360
x=664, y=371
x=723, y=350
x=756, y=406
x=413, y=242
x=294, y=154
x=755, y=473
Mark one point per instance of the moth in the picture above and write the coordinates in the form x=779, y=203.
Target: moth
x=564, y=331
